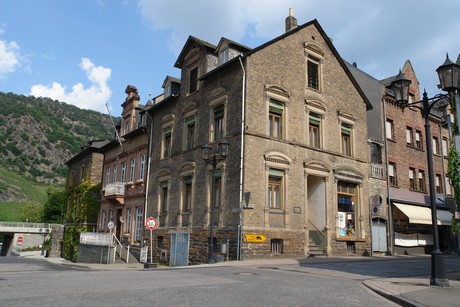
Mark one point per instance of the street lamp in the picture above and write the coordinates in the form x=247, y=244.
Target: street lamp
x=213, y=159
x=448, y=76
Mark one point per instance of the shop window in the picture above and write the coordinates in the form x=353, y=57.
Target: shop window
x=276, y=246
x=346, y=209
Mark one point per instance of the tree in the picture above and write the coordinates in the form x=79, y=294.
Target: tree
x=55, y=206
x=32, y=212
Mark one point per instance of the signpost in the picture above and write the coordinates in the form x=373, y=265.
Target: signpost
x=151, y=224
x=110, y=225
x=254, y=238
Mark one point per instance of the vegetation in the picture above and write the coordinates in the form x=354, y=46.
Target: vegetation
x=83, y=212
x=55, y=206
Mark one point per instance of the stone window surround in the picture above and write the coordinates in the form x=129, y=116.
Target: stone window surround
x=318, y=108
x=187, y=169
x=166, y=122
x=164, y=175
x=280, y=95
x=190, y=110
x=218, y=97
x=350, y=120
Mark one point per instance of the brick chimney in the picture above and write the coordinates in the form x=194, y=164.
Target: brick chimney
x=291, y=21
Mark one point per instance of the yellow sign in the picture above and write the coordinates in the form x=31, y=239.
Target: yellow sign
x=254, y=238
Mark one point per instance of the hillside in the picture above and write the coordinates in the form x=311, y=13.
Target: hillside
x=37, y=135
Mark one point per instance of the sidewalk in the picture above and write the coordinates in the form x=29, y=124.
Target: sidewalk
x=410, y=291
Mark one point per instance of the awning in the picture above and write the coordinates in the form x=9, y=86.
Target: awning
x=422, y=215
x=444, y=217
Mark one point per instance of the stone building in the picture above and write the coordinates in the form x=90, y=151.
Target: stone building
x=124, y=173
x=296, y=177
x=411, y=231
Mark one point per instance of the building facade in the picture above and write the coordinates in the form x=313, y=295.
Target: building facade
x=124, y=174
x=296, y=177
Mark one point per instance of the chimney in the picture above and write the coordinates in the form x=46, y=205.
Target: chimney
x=291, y=21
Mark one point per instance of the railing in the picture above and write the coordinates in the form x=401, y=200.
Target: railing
x=376, y=171
x=26, y=225
x=117, y=188
x=318, y=236
x=119, y=246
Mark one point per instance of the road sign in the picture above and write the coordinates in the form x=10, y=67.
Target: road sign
x=254, y=238
x=20, y=240
x=110, y=225
x=150, y=223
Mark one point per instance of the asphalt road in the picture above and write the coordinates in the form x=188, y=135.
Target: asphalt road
x=36, y=282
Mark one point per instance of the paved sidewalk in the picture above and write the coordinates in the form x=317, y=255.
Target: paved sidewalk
x=411, y=291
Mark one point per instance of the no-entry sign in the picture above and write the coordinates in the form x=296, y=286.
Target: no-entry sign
x=150, y=223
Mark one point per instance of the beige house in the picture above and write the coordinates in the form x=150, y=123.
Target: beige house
x=124, y=174
x=295, y=181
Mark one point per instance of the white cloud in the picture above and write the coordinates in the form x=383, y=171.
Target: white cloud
x=94, y=97
x=10, y=58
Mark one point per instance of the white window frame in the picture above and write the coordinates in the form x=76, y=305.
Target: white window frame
x=132, y=168
x=115, y=173
x=142, y=167
x=123, y=171
x=139, y=223
x=128, y=220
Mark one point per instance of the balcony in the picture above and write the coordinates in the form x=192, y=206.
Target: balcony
x=376, y=171
x=114, y=189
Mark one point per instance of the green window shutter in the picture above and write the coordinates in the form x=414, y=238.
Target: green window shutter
x=315, y=119
x=219, y=111
x=167, y=132
x=190, y=121
x=346, y=129
x=187, y=180
x=276, y=107
x=276, y=173
x=164, y=184
x=217, y=173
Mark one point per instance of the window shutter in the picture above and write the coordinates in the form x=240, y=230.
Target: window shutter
x=219, y=111
x=217, y=173
x=190, y=121
x=187, y=180
x=164, y=184
x=346, y=129
x=391, y=170
x=276, y=107
x=315, y=119
x=167, y=132
x=276, y=173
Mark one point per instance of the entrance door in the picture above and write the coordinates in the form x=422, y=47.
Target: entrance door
x=379, y=237
x=179, y=249
x=119, y=224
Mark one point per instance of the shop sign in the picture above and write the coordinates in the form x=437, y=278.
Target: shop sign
x=254, y=238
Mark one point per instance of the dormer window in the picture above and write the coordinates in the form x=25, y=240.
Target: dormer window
x=193, y=80
x=168, y=90
x=223, y=56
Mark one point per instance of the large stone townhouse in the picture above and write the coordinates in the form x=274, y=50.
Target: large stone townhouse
x=296, y=176
x=124, y=173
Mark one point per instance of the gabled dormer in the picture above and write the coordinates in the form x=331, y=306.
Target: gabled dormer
x=196, y=59
x=228, y=49
x=171, y=86
x=128, y=115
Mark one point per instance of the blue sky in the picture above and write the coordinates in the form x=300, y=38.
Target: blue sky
x=86, y=52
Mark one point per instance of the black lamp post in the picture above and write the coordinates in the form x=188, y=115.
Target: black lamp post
x=213, y=159
x=448, y=76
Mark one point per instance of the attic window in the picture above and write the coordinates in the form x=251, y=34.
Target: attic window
x=223, y=56
x=193, y=80
x=168, y=90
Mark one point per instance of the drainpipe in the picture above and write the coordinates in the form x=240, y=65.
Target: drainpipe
x=243, y=98
x=150, y=134
x=390, y=213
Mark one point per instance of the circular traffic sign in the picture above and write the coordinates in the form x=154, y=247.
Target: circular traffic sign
x=110, y=225
x=150, y=223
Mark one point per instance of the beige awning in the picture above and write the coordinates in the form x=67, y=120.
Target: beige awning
x=422, y=215
x=416, y=214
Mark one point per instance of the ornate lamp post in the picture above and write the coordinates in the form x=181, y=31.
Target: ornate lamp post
x=213, y=159
x=448, y=76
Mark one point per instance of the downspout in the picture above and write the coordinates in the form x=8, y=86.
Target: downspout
x=150, y=134
x=243, y=100
x=387, y=162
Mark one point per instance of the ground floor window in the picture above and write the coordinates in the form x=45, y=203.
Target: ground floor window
x=346, y=210
x=276, y=246
x=139, y=224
